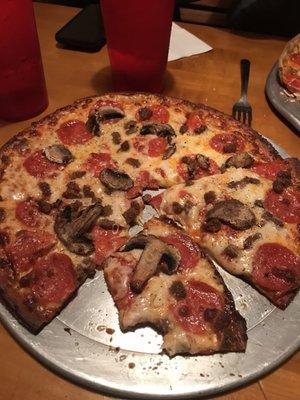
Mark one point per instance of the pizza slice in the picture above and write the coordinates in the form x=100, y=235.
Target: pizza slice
x=248, y=224
x=161, y=278
x=289, y=66
x=48, y=250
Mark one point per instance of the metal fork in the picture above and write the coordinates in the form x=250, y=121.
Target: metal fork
x=241, y=110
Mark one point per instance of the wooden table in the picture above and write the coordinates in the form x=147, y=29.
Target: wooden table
x=211, y=78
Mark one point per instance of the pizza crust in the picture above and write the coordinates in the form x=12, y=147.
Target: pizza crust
x=77, y=185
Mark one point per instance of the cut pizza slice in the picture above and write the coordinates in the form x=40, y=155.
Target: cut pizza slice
x=36, y=279
x=46, y=256
x=247, y=222
x=163, y=279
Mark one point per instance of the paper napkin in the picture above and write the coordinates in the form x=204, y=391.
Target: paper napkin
x=185, y=44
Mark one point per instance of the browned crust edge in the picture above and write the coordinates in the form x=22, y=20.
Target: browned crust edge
x=234, y=335
x=84, y=102
x=279, y=301
x=34, y=321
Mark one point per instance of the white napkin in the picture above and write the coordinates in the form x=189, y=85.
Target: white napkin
x=185, y=44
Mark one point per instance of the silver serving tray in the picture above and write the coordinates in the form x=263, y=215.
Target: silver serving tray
x=77, y=345
x=286, y=105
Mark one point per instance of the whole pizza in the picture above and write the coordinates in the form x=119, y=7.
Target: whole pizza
x=75, y=183
x=289, y=67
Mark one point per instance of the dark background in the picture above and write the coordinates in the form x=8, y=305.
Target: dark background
x=275, y=17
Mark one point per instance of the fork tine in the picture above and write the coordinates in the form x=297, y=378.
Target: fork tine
x=233, y=111
x=250, y=117
x=244, y=114
x=239, y=115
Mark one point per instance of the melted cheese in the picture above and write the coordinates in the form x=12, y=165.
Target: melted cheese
x=216, y=243
x=153, y=305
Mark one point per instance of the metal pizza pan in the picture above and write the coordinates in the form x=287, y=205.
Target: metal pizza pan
x=284, y=103
x=84, y=344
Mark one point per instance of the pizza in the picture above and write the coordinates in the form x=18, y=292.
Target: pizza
x=73, y=185
x=247, y=223
x=289, y=67
x=162, y=278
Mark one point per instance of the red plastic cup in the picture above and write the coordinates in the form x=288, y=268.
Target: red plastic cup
x=23, y=92
x=138, y=37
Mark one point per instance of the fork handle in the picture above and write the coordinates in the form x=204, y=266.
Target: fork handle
x=245, y=70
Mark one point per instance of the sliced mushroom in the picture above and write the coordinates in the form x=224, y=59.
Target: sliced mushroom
x=58, y=154
x=73, y=225
x=151, y=128
x=93, y=125
x=233, y=213
x=156, y=254
x=243, y=160
x=115, y=180
x=105, y=113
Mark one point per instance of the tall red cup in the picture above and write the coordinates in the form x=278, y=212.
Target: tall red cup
x=138, y=36
x=23, y=92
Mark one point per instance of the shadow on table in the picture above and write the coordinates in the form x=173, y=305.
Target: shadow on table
x=4, y=123
x=257, y=36
x=102, y=82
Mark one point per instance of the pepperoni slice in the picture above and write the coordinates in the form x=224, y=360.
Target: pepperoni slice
x=157, y=147
x=188, y=250
x=39, y=166
x=285, y=206
x=270, y=169
x=143, y=181
x=295, y=58
x=54, y=279
x=73, y=132
x=195, y=120
x=199, y=173
x=156, y=201
x=160, y=114
x=227, y=143
x=275, y=268
x=156, y=113
x=106, y=242
x=189, y=312
x=28, y=246
x=153, y=147
x=292, y=81
x=185, y=195
x=96, y=162
x=28, y=213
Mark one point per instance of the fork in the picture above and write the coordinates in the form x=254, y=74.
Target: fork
x=241, y=110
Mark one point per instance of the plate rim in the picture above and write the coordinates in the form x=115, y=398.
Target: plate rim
x=272, y=80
